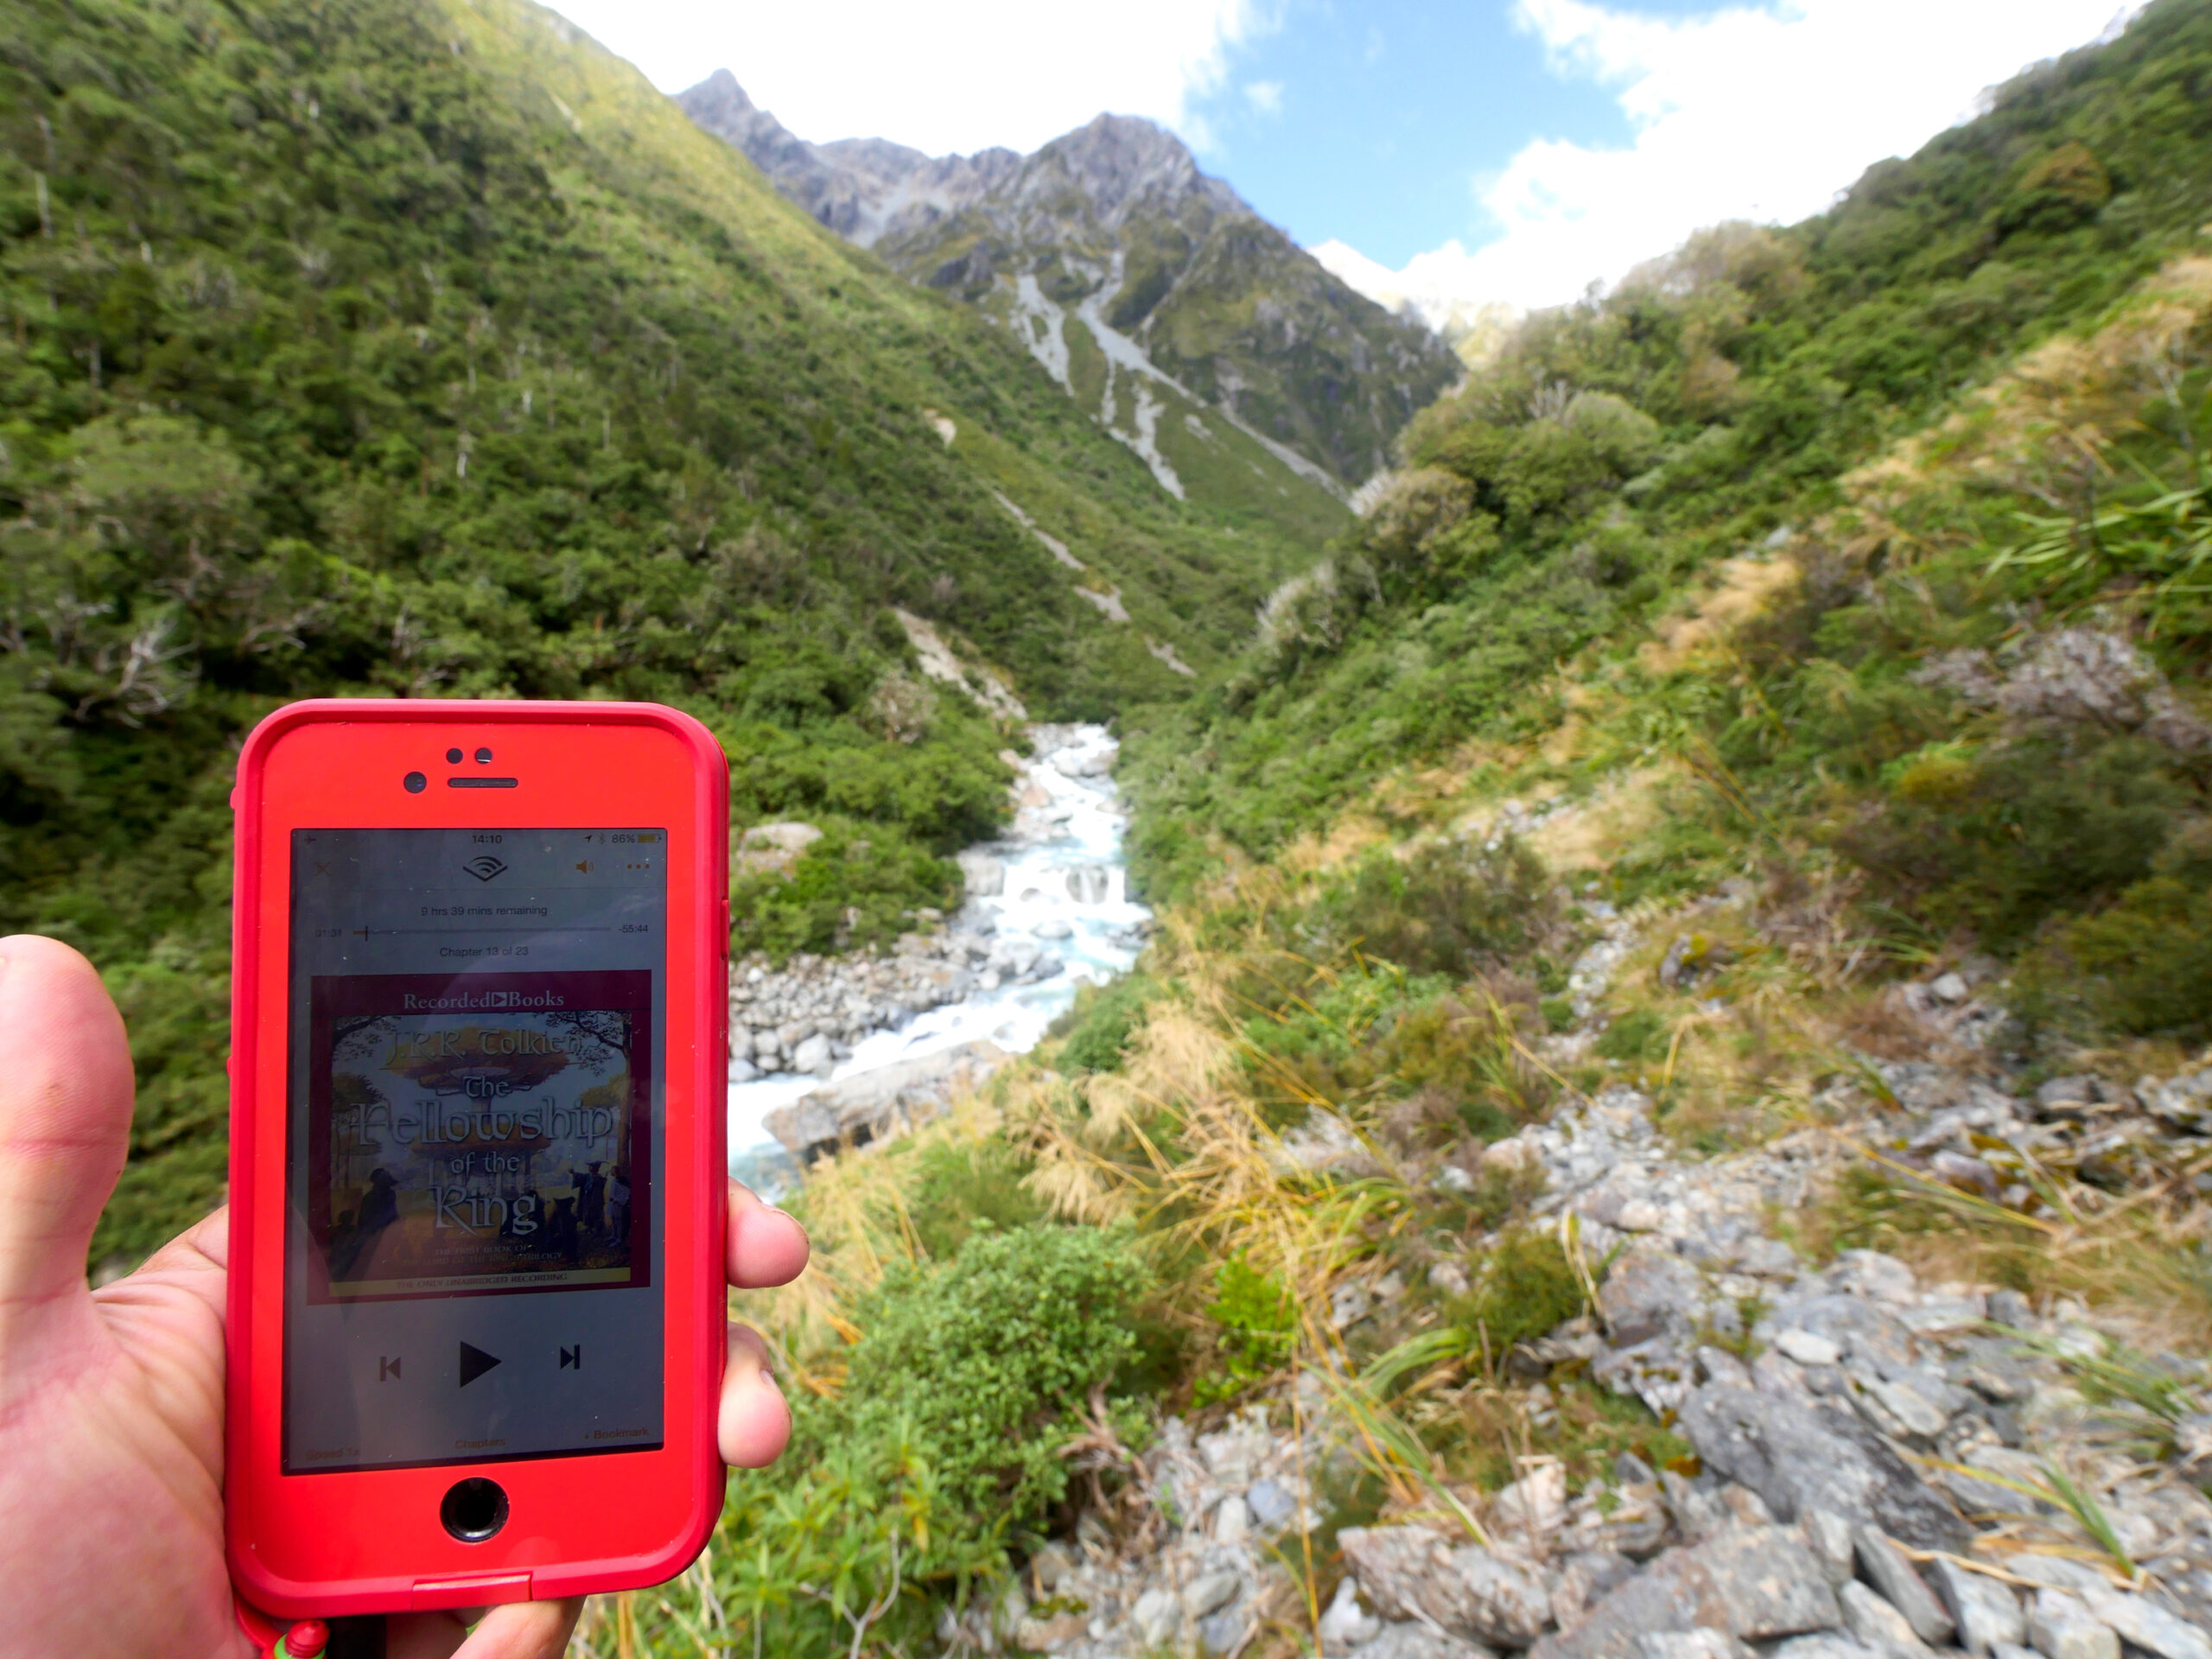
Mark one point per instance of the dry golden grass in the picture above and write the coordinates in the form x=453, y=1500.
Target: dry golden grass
x=1745, y=588
x=2143, y=1259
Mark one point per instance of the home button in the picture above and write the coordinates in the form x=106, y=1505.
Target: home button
x=473, y=1509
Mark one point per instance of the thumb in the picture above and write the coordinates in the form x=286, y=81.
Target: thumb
x=64, y=1121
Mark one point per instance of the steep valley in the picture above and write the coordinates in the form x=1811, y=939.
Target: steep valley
x=1660, y=1105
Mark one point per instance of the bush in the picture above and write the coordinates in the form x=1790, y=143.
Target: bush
x=1098, y=1027
x=960, y=1191
x=859, y=885
x=1258, y=1320
x=1639, y=1034
x=942, y=1445
x=2143, y=966
x=1525, y=1286
x=987, y=1362
x=1446, y=910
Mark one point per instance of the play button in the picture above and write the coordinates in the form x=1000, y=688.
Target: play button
x=474, y=1362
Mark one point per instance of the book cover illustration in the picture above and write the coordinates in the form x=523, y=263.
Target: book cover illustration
x=479, y=1133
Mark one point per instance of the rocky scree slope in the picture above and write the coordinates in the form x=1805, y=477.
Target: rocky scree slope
x=1110, y=254
x=1876, y=1464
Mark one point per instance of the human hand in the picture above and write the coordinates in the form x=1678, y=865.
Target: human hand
x=112, y=1399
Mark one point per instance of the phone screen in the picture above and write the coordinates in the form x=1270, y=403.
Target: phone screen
x=475, y=1109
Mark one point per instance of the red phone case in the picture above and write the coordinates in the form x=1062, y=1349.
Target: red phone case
x=333, y=1543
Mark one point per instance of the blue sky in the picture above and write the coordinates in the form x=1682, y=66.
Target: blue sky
x=1386, y=115
x=1508, y=151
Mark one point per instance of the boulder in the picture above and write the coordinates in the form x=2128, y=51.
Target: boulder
x=984, y=874
x=1649, y=1290
x=877, y=1104
x=1755, y=1583
x=1987, y=1613
x=1410, y=1573
x=1798, y=1455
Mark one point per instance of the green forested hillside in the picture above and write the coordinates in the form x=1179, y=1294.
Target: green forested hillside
x=1617, y=446
x=382, y=347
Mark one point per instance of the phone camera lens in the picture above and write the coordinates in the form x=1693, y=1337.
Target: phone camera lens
x=483, y=757
x=416, y=782
x=473, y=1509
x=453, y=757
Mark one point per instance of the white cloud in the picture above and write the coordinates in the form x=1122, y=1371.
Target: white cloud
x=1739, y=114
x=998, y=71
x=1265, y=97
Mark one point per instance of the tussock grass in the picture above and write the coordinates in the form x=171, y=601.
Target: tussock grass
x=2144, y=1257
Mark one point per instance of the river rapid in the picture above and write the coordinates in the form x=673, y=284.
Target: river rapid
x=1047, y=912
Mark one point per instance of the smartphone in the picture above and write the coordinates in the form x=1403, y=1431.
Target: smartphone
x=479, y=1012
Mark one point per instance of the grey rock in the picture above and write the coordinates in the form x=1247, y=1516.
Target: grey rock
x=2143, y=1623
x=1912, y=1405
x=1869, y=1272
x=1798, y=1455
x=1209, y=1591
x=1413, y=1640
x=1505, y=1605
x=2009, y=1308
x=1583, y=1578
x=812, y=1055
x=1649, y=1290
x=984, y=874
x=1823, y=1645
x=2066, y=1091
x=1346, y=1624
x=1808, y=1348
x=1828, y=1536
x=2059, y=1572
x=1950, y=987
x=1400, y=1570
x=1690, y=1644
x=2060, y=1627
x=1986, y=1613
x=1879, y=1625
x=876, y=1104
x=1886, y=1568
x=1756, y=1583
x=1052, y=929
x=1270, y=1502
x=1629, y=1470
x=1223, y=1632
x=1157, y=1615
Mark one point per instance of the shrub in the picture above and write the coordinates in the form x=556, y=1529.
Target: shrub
x=1097, y=1029
x=2143, y=966
x=1258, y=1320
x=1525, y=1286
x=962, y=1190
x=1446, y=910
x=858, y=885
x=986, y=1362
x=1639, y=1034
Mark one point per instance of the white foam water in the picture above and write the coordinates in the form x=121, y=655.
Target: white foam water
x=1080, y=825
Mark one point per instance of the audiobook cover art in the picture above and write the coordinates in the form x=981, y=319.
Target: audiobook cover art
x=486, y=1131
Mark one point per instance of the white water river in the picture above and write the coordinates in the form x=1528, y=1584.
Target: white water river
x=1070, y=822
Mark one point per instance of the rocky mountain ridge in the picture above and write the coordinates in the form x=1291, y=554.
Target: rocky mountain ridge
x=1142, y=285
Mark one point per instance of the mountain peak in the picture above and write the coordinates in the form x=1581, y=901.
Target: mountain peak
x=1120, y=162
x=1184, y=308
